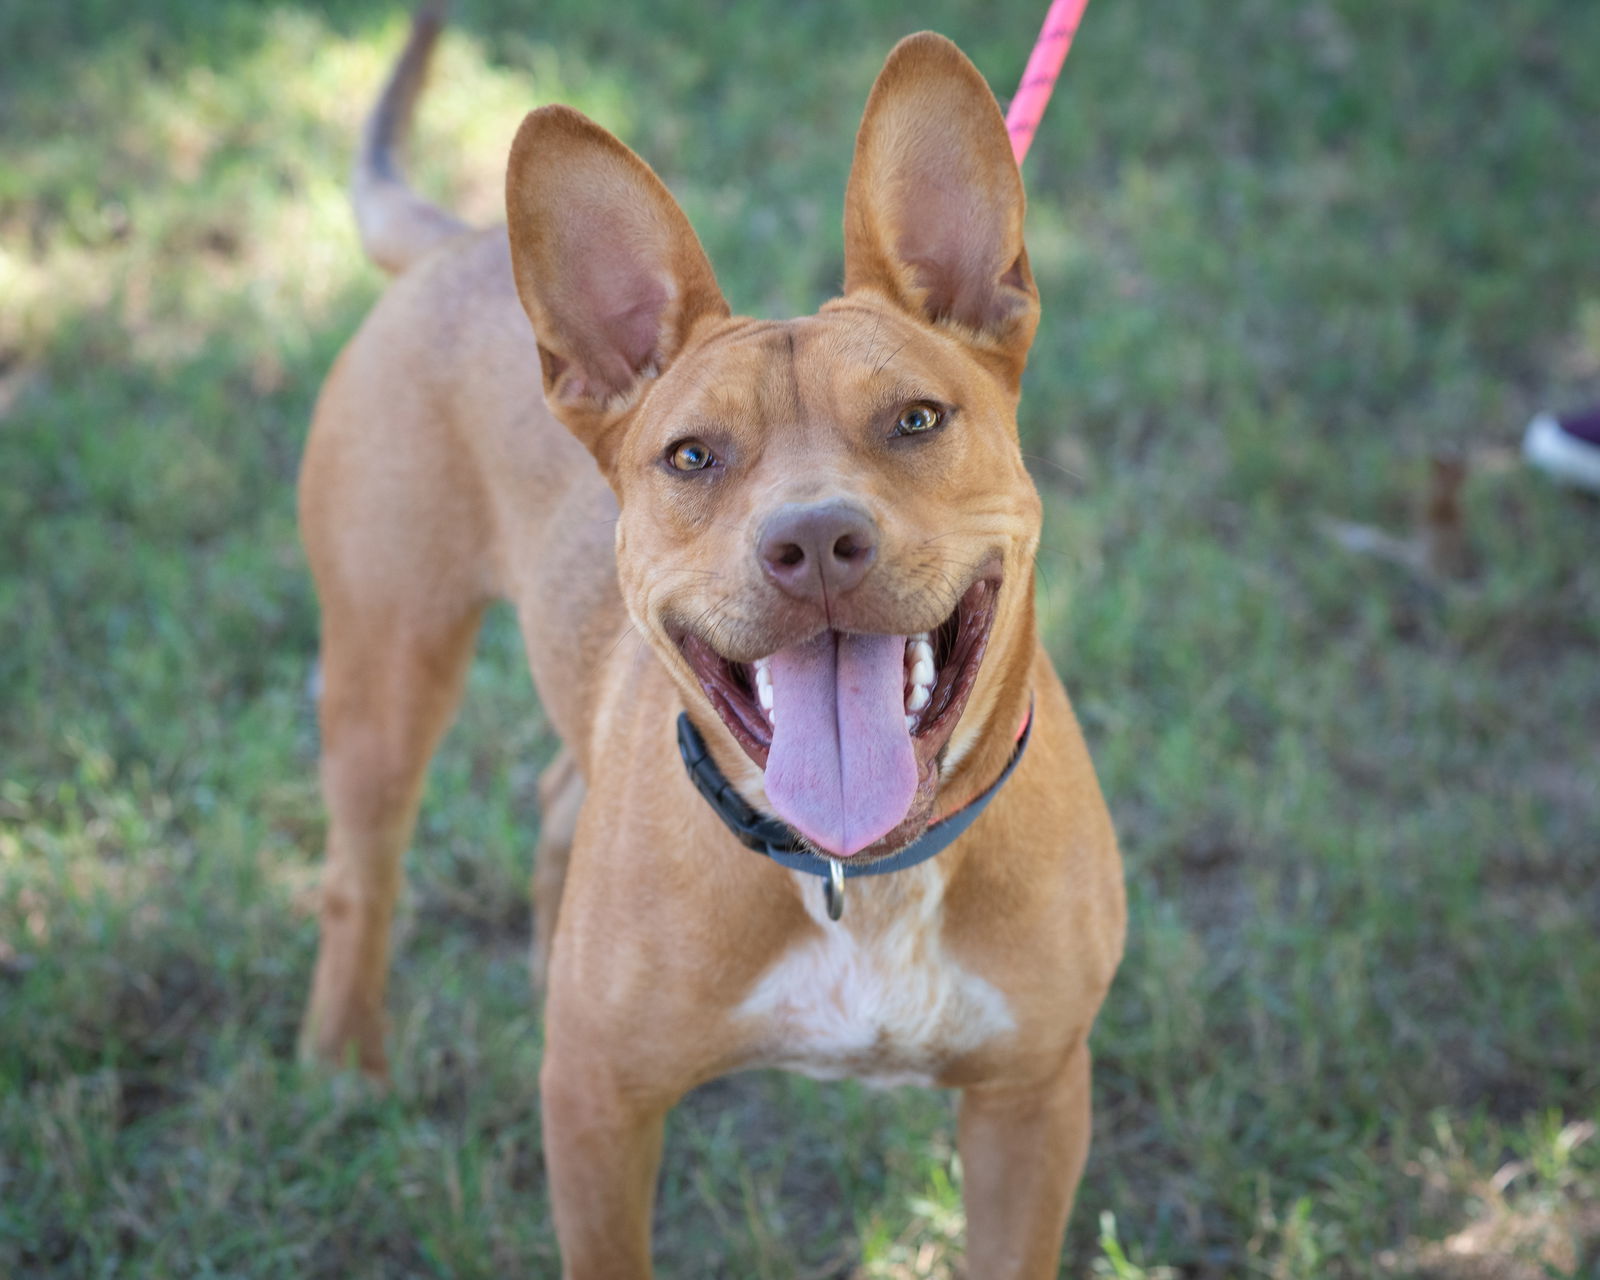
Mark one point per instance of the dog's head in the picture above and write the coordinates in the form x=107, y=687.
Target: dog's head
x=825, y=522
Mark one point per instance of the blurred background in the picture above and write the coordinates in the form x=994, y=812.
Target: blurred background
x=1308, y=267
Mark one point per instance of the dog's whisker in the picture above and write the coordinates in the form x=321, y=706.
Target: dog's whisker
x=631, y=629
x=884, y=363
x=1061, y=467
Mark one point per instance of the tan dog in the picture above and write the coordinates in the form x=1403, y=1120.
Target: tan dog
x=823, y=529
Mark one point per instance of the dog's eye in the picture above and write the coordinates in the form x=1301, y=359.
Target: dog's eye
x=917, y=417
x=690, y=455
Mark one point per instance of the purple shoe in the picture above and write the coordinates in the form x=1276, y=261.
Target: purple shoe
x=1567, y=448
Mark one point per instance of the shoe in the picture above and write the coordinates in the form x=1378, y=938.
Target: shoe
x=1567, y=448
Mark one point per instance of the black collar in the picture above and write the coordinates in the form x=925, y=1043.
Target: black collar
x=780, y=843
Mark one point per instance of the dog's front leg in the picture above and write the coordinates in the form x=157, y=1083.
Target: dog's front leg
x=602, y=1148
x=1022, y=1151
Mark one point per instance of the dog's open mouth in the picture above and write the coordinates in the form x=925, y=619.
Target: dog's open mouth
x=848, y=726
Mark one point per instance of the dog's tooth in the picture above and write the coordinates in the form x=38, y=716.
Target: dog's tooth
x=922, y=671
x=764, y=688
x=911, y=723
x=918, y=699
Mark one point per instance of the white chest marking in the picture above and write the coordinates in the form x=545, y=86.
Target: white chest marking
x=876, y=997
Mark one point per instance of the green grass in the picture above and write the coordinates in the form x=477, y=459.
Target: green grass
x=1289, y=252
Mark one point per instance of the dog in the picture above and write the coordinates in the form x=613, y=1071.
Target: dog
x=822, y=802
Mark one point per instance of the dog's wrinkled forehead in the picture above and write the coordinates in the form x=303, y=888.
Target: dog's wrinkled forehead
x=820, y=382
x=746, y=373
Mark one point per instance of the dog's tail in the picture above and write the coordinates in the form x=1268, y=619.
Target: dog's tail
x=397, y=225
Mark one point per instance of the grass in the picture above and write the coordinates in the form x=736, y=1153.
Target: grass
x=1288, y=254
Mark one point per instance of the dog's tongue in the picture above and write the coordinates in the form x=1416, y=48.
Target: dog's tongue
x=842, y=770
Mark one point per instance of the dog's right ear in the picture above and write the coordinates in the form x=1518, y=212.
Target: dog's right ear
x=607, y=266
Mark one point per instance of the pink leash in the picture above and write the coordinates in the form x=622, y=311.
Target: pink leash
x=1039, y=78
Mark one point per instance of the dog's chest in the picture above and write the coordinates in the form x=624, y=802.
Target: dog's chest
x=876, y=997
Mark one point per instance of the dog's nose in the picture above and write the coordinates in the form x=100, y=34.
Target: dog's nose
x=814, y=550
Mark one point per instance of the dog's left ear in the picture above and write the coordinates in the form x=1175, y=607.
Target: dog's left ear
x=933, y=213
